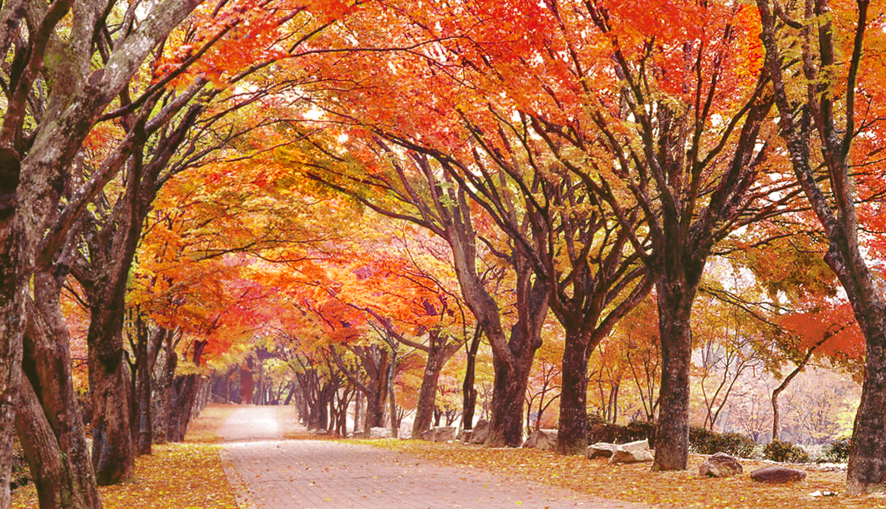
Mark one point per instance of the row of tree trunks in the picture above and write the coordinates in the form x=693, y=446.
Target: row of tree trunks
x=443, y=209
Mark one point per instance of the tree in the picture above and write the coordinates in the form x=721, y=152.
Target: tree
x=695, y=196
x=831, y=109
x=39, y=140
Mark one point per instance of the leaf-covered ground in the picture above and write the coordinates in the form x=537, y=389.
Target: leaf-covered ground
x=637, y=483
x=190, y=475
x=176, y=476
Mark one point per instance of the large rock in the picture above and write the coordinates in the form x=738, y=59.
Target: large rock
x=777, y=474
x=379, y=433
x=601, y=450
x=633, y=452
x=439, y=434
x=720, y=465
x=480, y=432
x=543, y=439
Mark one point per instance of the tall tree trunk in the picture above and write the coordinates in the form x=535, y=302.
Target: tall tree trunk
x=33, y=174
x=12, y=301
x=375, y=409
x=506, y=419
x=469, y=392
x=675, y=298
x=113, y=454
x=146, y=351
x=258, y=395
x=181, y=406
x=829, y=125
x=359, y=416
x=427, y=395
x=572, y=436
x=392, y=396
x=160, y=415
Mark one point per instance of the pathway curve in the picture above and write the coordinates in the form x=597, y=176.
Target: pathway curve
x=273, y=473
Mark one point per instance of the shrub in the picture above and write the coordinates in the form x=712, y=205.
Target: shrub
x=838, y=451
x=639, y=430
x=785, y=452
x=615, y=434
x=603, y=433
x=704, y=441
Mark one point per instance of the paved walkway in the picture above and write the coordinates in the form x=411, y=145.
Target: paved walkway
x=273, y=473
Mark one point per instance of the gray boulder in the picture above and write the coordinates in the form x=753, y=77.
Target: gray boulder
x=543, y=439
x=633, y=452
x=375, y=433
x=601, y=450
x=720, y=465
x=439, y=434
x=777, y=474
x=480, y=432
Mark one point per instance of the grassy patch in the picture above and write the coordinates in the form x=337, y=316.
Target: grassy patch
x=637, y=483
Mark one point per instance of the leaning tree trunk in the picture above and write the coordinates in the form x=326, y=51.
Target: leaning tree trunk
x=439, y=352
x=427, y=395
x=509, y=387
x=866, y=471
x=62, y=481
x=675, y=298
x=572, y=435
x=46, y=365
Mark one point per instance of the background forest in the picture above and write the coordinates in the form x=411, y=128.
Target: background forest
x=566, y=214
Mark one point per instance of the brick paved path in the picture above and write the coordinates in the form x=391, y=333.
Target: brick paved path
x=273, y=473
